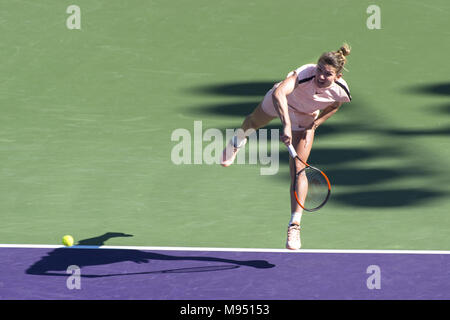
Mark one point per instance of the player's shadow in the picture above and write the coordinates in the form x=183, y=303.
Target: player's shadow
x=56, y=262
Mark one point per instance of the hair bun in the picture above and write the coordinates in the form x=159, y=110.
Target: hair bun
x=345, y=50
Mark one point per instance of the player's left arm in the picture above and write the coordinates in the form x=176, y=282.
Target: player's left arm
x=326, y=114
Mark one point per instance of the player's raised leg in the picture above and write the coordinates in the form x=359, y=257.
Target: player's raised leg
x=257, y=119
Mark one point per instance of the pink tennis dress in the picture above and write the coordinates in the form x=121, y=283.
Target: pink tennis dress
x=307, y=99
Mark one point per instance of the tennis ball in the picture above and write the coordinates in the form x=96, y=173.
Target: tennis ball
x=67, y=241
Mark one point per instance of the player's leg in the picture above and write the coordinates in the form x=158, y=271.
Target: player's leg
x=302, y=142
x=257, y=119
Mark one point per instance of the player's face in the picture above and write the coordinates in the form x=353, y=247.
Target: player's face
x=325, y=75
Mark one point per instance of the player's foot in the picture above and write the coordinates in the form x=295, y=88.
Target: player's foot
x=230, y=152
x=293, y=241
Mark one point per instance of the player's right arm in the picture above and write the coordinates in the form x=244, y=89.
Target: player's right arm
x=281, y=106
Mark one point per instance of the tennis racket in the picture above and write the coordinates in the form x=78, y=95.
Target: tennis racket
x=314, y=183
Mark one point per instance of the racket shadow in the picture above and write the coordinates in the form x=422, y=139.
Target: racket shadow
x=167, y=271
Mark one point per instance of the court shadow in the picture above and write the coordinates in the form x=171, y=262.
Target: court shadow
x=335, y=160
x=56, y=262
x=431, y=89
x=366, y=176
x=258, y=88
x=387, y=198
x=325, y=157
x=444, y=109
x=342, y=129
x=422, y=132
x=240, y=109
x=324, y=130
x=435, y=88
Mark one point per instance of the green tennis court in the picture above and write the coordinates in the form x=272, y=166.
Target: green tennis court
x=88, y=115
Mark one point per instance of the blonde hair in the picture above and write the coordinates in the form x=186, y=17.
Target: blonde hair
x=336, y=59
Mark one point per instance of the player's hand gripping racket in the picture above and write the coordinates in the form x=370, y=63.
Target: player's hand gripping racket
x=311, y=186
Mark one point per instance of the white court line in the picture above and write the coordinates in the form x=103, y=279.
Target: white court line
x=44, y=246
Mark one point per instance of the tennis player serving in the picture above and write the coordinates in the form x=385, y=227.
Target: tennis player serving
x=308, y=97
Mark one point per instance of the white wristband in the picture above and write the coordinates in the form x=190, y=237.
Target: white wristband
x=292, y=151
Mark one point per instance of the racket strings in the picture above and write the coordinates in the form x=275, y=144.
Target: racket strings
x=313, y=182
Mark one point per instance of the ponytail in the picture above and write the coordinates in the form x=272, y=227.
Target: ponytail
x=337, y=59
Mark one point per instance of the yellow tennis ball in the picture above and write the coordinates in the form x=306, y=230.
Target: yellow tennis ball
x=67, y=241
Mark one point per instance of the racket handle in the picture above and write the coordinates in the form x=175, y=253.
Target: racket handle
x=292, y=151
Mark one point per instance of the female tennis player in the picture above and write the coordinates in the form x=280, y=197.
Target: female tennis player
x=308, y=97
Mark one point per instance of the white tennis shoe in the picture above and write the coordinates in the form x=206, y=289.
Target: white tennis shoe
x=293, y=241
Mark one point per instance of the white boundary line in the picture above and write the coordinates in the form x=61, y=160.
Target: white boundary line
x=44, y=246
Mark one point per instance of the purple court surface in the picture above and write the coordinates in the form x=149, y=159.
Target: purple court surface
x=112, y=273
